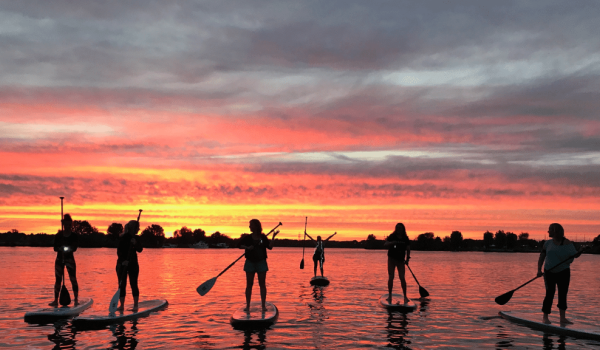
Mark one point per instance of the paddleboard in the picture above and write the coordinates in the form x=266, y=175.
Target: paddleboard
x=319, y=281
x=144, y=309
x=579, y=328
x=397, y=303
x=255, y=317
x=52, y=313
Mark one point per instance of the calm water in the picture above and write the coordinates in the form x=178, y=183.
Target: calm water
x=345, y=314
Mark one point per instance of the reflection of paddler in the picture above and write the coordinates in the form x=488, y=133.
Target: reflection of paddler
x=127, y=262
x=319, y=255
x=256, y=245
x=65, y=244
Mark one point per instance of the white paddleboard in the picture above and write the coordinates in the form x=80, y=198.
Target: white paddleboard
x=144, y=309
x=319, y=281
x=579, y=328
x=51, y=313
x=397, y=303
x=255, y=317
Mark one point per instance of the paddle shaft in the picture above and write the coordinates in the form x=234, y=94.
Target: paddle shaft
x=304, y=241
x=536, y=277
x=409, y=269
x=241, y=256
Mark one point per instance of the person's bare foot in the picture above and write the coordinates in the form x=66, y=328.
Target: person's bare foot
x=546, y=320
x=406, y=300
x=565, y=321
x=264, y=309
x=389, y=300
x=121, y=307
x=54, y=303
x=75, y=302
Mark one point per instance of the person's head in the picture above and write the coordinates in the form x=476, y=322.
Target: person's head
x=67, y=222
x=318, y=238
x=132, y=227
x=400, y=230
x=255, y=226
x=556, y=231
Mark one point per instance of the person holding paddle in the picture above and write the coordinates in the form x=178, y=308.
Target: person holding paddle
x=556, y=274
x=398, y=246
x=256, y=245
x=127, y=262
x=319, y=255
x=65, y=244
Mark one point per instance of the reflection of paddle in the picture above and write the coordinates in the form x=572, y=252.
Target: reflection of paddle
x=65, y=297
x=114, y=302
x=206, y=286
x=504, y=298
x=422, y=291
x=303, y=245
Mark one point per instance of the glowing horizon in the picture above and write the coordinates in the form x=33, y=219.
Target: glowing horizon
x=227, y=113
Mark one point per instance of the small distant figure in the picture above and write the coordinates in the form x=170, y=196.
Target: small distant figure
x=319, y=255
x=554, y=251
x=65, y=244
x=398, y=246
x=127, y=263
x=256, y=245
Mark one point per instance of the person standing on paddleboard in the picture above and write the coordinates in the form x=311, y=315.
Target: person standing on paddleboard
x=398, y=246
x=554, y=251
x=256, y=245
x=65, y=244
x=319, y=255
x=127, y=262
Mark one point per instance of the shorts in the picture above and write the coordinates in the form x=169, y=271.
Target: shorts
x=258, y=266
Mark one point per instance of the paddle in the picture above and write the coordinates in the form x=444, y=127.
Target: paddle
x=422, y=291
x=64, y=296
x=303, y=245
x=114, y=302
x=206, y=286
x=504, y=298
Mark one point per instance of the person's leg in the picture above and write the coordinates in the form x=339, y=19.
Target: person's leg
x=72, y=270
x=134, y=272
x=122, y=277
x=58, y=274
x=249, y=283
x=321, y=262
x=391, y=268
x=562, y=283
x=262, y=282
x=401, y=271
x=550, y=283
x=315, y=262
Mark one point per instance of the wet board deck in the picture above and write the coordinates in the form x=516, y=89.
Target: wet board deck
x=397, y=303
x=144, y=309
x=579, y=328
x=319, y=281
x=53, y=313
x=255, y=318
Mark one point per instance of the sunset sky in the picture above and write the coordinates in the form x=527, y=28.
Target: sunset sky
x=462, y=115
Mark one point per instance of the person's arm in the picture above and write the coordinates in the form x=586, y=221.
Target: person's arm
x=312, y=239
x=75, y=245
x=244, y=242
x=407, y=253
x=57, y=242
x=389, y=243
x=137, y=243
x=541, y=261
x=335, y=233
x=270, y=246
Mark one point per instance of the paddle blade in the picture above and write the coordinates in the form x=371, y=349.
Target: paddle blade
x=206, y=286
x=114, y=302
x=65, y=297
x=504, y=298
x=302, y=264
x=423, y=292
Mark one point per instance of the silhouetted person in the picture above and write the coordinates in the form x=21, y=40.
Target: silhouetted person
x=65, y=244
x=127, y=262
x=398, y=246
x=554, y=251
x=256, y=245
x=319, y=254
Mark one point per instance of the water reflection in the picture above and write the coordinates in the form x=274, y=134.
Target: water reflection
x=249, y=339
x=424, y=302
x=63, y=336
x=124, y=339
x=549, y=344
x=397, y=331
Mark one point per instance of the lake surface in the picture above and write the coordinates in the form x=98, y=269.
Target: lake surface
x=460, y=313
